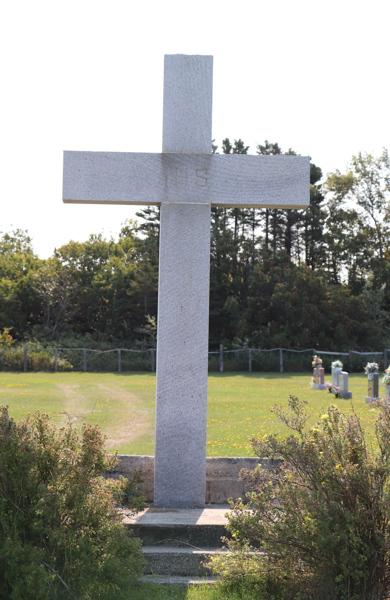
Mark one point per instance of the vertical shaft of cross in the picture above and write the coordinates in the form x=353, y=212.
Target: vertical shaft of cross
x=183, y=309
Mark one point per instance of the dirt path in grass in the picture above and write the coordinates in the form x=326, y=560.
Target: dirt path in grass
x=123, y=416
x=134, y=421
x=75, y=406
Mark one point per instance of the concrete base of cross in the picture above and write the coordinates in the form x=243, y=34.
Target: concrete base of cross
x=222, y=475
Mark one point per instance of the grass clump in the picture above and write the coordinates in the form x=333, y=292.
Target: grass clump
x=318, y=527
x=60, y=533
x=216, y=591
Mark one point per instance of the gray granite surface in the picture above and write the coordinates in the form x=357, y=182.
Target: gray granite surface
x=186, y=179
x=188, y=91
x=182, y=355
x=216, y=179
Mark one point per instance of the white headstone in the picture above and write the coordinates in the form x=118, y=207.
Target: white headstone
x=336, y=376
x=343, y=379
x=185, y=180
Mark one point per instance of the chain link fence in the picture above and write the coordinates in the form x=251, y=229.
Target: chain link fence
x=77, y=359
x=122, y=359
x=290, y=361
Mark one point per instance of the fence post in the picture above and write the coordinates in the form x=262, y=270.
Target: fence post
x=281, y=359
x=250, y=360
x=385, y=361
x=221, y=358
x=85, y=359
x=119, y=360
x=26, y=358
x=350, y=360
x=153, y=361
x=55, y=360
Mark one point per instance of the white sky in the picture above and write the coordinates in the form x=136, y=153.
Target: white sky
x=88, y=75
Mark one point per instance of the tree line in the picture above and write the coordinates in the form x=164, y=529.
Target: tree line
x=315, y=278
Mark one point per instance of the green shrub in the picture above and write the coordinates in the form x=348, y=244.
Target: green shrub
x=11, y=361
x=318, y=527
x=43, y=360
x=73, y=357
x=60, y=533
x=38, y=360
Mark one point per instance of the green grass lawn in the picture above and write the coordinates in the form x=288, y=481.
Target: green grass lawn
x=195, y=592
x=123, y=404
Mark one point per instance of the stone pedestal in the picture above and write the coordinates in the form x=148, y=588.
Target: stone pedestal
x=372, y=388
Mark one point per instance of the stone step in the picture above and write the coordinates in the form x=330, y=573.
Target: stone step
x=176, y=580
x=201, y=536
x=176, y=561
x=202, y=528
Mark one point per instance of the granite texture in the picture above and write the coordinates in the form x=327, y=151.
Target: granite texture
x=182, y=355
x=186, y=179
x=183, y=300
x=188, y=90
x=217, y=179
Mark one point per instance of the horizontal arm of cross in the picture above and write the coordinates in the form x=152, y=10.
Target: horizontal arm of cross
x=234, y=180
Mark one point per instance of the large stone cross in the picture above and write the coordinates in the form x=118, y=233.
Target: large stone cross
x=185, y=180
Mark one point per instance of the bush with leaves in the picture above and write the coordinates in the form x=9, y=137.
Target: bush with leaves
x=61, y=536
x=6, y=338
x=37, y=361
x=318, y=526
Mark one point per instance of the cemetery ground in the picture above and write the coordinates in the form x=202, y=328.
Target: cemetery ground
x=123, y=405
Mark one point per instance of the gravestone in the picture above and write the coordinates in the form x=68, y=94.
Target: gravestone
x=375, y=385
x=336, y=371
x=185, y=180
x=373, y=388
x=319, y=378
x=343, y=380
